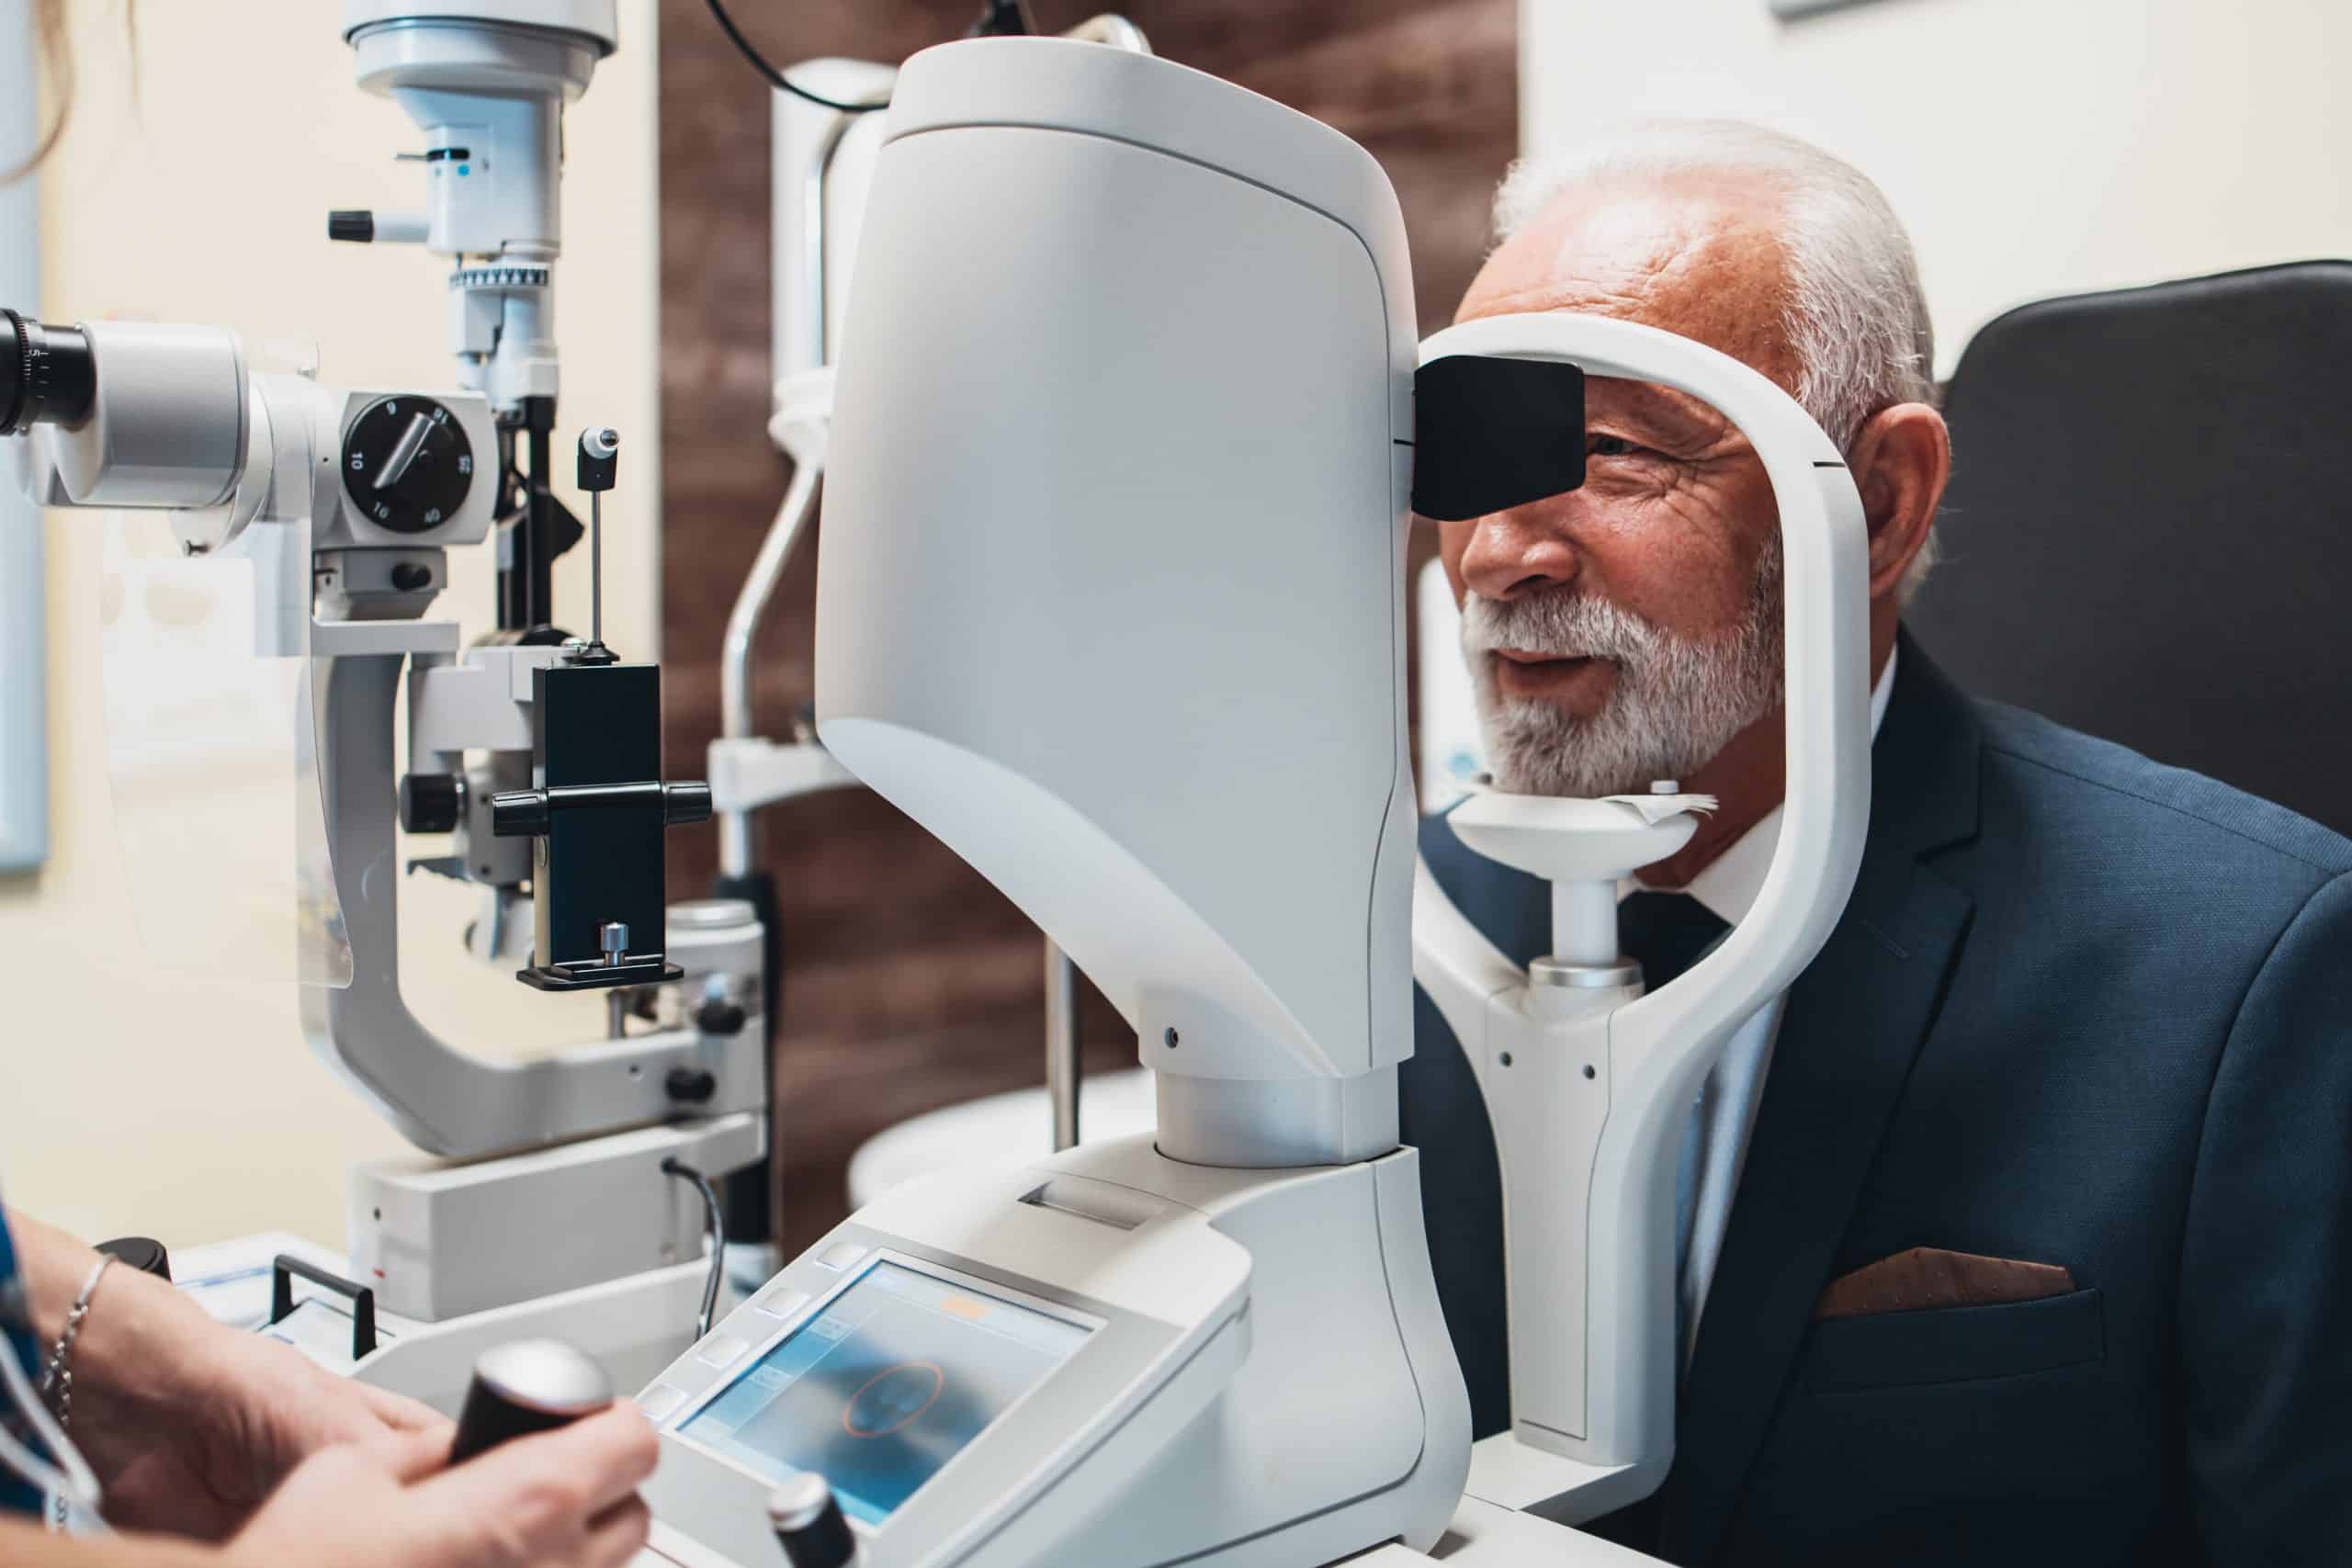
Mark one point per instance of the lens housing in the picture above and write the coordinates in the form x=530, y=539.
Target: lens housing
x=47, y=374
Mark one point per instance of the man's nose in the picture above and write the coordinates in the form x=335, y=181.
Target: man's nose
x=1512, y=553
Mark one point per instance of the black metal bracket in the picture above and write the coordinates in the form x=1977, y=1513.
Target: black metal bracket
x=597, y=815
x=286, y=1266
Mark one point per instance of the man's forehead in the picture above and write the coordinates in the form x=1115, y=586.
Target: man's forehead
x=1696, y=255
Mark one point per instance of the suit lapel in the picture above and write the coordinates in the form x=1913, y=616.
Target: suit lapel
x=1855, y=1021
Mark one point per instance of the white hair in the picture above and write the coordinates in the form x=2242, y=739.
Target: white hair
x=1855, y=315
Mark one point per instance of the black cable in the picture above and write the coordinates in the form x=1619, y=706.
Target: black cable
x=760, y=64
x=674, y=1165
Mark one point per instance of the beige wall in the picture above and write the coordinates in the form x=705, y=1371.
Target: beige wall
x=132, y=1097
x=2033, y=148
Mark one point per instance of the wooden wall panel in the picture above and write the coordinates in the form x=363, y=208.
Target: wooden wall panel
x=908, y=982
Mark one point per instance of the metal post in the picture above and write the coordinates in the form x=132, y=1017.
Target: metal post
x=739, y=846
x=1061, y=1045
x=739, y=851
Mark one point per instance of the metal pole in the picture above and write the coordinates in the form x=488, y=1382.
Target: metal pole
x=1061, y=1045
x=596, y=569
x=738, y=843
x=738, y=834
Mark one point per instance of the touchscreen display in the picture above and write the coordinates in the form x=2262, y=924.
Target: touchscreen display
x=886, y=1385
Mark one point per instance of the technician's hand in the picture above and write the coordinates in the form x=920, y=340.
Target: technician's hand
x=229, y=1417
x=190, y=1424
x=561, y=1499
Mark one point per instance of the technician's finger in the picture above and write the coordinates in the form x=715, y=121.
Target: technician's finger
x=402, y=1412
x=413, y=1456
x=617, y=1534
x=614, y=1450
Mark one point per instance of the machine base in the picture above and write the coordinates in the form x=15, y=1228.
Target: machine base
x=1513, y=1474
x=1350, y=1390
x=1480, y=1534
x=1270, y=1384
x=635, y=1326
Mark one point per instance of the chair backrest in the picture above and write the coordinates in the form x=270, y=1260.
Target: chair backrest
x=2148, y=534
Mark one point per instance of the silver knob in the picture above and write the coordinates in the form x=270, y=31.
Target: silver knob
x=612, y=938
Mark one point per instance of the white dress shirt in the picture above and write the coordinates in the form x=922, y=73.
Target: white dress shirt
x=1727, y=1102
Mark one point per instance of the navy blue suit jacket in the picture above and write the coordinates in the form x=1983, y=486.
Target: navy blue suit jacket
x=2084, y=1010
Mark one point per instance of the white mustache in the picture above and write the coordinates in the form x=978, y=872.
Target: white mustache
x=1558, y=626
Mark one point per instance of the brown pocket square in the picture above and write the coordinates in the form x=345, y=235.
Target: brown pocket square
x=1931, y=1277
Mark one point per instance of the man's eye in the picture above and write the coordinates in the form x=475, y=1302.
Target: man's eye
x=1599, y=446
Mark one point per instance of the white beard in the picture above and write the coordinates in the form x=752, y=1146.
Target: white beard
x=1677, y=703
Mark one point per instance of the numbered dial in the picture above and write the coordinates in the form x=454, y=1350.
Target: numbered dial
x=407, y=464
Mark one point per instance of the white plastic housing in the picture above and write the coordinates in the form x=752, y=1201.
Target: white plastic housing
x=169, y=423
x=487, y=82
x=491, y=78
x=1589, y=1108
x=1110, y=583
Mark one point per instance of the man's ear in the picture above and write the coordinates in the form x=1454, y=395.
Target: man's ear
x=1900, y=463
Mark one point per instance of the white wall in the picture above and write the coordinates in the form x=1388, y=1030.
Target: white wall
x=137, y=1098
x=2034, y=147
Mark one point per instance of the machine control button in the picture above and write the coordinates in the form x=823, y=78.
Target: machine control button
x=407, y=464
x=691, y=1085
x=723, y=1351
x=431, y=803
x=780, y=1302
x=842, y=1257
x=720, y=1018
x=658, y=1400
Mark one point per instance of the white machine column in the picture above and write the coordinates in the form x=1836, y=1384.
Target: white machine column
x=1196, y=584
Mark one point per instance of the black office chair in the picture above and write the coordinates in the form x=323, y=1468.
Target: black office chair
x=2148, y=534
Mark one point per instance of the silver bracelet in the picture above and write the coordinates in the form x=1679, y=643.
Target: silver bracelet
x=57, y=1380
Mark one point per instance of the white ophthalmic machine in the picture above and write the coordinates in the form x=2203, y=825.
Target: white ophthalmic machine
x=1111, y=600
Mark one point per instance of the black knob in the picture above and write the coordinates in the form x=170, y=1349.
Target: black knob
x=48, y=375
x=682, y=804
x=808, y=1521
x=599, y=458
x=692, y=1085
x=518, y=813
x=411, y=577
x=353, y=227
x=720, y=1017
x=429, y=803
x=526, y=1386
x=144, y=1253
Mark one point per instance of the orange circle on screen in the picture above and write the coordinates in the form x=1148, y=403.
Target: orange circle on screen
x=891, y=1398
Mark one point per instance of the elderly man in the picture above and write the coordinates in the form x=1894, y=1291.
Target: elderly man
x=2021, y=1229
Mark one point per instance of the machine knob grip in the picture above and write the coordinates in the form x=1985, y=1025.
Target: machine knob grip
x=429, y=803
x=144, y=1253
x=809, y=1525
x=352, y=227
x=599, y=458
x=691, y=1086
x=685, y=804
x=721, y=1018
x=526, y=1386
x=518, y=813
